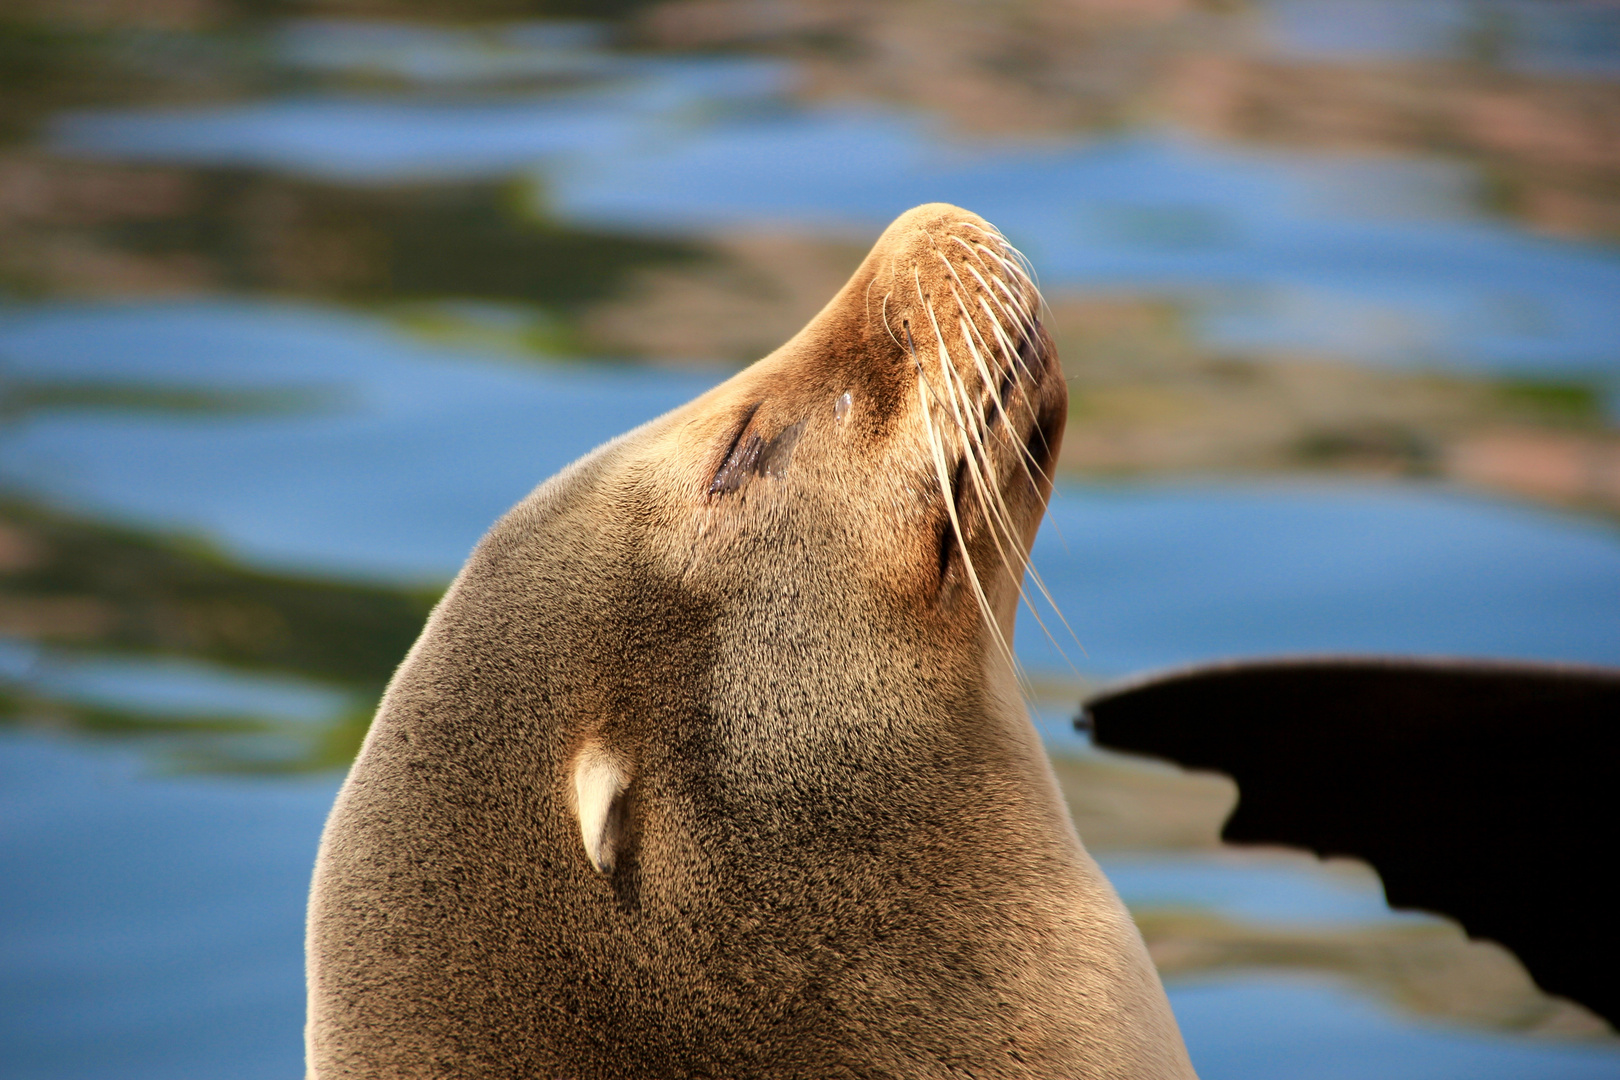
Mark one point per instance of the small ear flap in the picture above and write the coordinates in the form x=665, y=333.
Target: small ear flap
x=600, y=777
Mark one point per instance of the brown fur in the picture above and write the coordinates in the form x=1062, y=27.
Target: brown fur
x=841, y=851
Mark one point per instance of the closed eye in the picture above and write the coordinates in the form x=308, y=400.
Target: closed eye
x=739, y=458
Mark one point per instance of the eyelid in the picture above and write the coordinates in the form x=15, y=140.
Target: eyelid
x=733, y=466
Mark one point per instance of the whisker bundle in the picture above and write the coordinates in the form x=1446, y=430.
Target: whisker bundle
x=987, y=352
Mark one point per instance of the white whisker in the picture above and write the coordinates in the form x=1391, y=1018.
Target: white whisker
x=942, y=472
x=1007, y=297
x=1015, y=365
x=884, y=312
x=1025, y=317
x=990, y=497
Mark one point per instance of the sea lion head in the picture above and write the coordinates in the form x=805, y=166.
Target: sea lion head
x=893, y=457
x=863, y=497
x=711, y=762
x=923, y=409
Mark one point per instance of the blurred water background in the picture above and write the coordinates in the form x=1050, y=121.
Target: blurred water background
x=297, y=297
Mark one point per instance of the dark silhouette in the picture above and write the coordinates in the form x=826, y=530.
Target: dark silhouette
x=1481, y=790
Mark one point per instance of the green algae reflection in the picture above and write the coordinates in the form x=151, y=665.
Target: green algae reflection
x=80, y=589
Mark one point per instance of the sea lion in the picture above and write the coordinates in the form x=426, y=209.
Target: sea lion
x=712, y=761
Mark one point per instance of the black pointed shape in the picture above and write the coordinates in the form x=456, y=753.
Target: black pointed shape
x=1487, y=791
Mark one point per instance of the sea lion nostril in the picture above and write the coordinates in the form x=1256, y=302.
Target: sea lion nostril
x=947, y=532
x=1036, y=442
x=1008, y=380
x=1038, y=445
x=1030, y=352
x=947, y=544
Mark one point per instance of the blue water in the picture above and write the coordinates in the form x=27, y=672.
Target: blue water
x=1252, y=888
x=153, y=926
x=1302, y=1029
x=1371, y=258
x=153, y=921
x=1564, y=38
x=419, y=451
x=419, y=448
x=180, y=953
x=1158, y=575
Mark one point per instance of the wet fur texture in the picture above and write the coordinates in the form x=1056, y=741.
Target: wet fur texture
x=839, y=850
